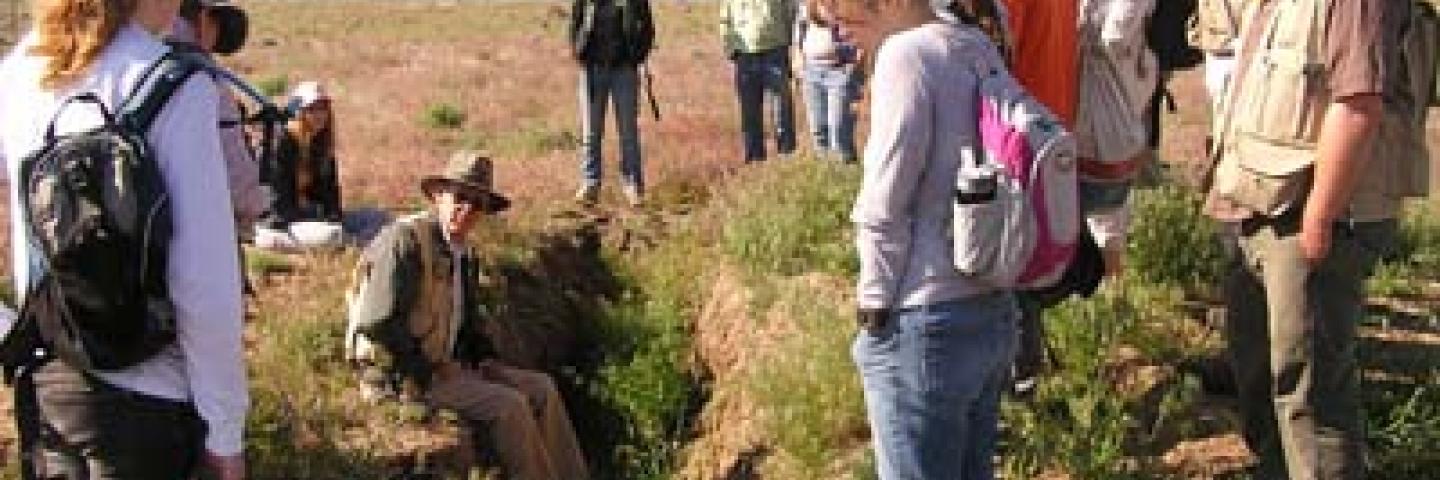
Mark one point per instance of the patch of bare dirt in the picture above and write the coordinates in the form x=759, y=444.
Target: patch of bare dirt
x=730, y=439
x=1208, y=458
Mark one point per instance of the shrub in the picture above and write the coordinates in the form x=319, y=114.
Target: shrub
x=273, y=86
x=533, y=139
x=443, y=116
x=812, y=402
x=644, y=389
x=1416, y=256
x=1080, y=420
x=1172, y=243
x=1419, y=242
x=795, y=220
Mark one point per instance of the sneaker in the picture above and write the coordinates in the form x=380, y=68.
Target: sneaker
x=588, y=195
x=633, y=195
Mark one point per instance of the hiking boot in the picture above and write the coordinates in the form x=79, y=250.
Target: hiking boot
x=588, y=195
x=633, y=195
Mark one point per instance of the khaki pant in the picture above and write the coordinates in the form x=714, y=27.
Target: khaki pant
x=1291, y=331
x=524, y=416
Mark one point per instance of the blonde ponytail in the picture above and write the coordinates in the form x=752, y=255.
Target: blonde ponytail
x=70, y=34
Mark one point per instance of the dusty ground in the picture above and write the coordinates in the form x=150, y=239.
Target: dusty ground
x=12, y=14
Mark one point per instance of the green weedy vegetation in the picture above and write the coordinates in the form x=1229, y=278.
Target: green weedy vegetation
x=1416, y=255
x=442, y=116
x=794, y=220
x=1118, y=400
x=1401, y=398
x=1112, y=394
x=788, y=222
x=646, y=378
x=811, y=396
x=1114, y=405
x=273, y=86
x=1171, y=242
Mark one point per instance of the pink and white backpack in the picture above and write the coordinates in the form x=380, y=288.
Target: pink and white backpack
x=1020, y=234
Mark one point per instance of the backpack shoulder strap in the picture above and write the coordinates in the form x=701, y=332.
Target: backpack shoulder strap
x=157, y=85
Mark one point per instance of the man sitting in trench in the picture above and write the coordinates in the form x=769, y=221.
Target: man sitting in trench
x=415, y=328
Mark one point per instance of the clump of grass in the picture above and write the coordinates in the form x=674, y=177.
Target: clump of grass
x=1172, y=243
x=302, y=394
x=813, y=403
x=794, y=221
x=645, y=377
x=532, y=139
x=274, y=85
x=1415, y=259
x=1405, y=427
x=261, y=262
x=781, y=224
x=442, y=116
x=1079, y=420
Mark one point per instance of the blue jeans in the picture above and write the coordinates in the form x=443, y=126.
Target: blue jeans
x=829, y=91
x=757, y=76
x=622, y=85
x=932, y=380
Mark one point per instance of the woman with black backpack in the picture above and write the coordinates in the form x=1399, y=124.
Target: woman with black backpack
x=90, y=405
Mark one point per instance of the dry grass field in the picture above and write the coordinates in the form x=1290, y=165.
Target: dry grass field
x=507, y=69
x=696, y=338
x=12, y=14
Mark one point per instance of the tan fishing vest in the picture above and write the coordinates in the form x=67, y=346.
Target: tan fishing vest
x=1271, y=118
x=432, y=320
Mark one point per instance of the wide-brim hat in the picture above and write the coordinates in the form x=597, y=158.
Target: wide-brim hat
x=472, y=173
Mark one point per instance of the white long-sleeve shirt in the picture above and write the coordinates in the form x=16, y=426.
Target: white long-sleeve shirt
x=206, y=365
x=922, y=116
x=1118, y=75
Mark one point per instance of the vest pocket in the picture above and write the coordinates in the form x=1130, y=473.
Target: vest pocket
x=1286, y=101
x=1264, y=176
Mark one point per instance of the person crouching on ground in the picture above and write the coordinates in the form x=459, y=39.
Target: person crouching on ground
x=935, y=346
x=420, y=275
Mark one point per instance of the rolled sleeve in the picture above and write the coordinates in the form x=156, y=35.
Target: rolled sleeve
x=1354, y=50
x=204, y=272
x=896, y=154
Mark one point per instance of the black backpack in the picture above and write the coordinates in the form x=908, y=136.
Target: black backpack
x=1168, y=35
x=99, y=219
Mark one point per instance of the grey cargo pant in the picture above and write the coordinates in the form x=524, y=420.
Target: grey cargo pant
x=1291, y=334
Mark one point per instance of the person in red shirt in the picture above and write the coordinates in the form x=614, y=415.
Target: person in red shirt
x=1045, y=56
